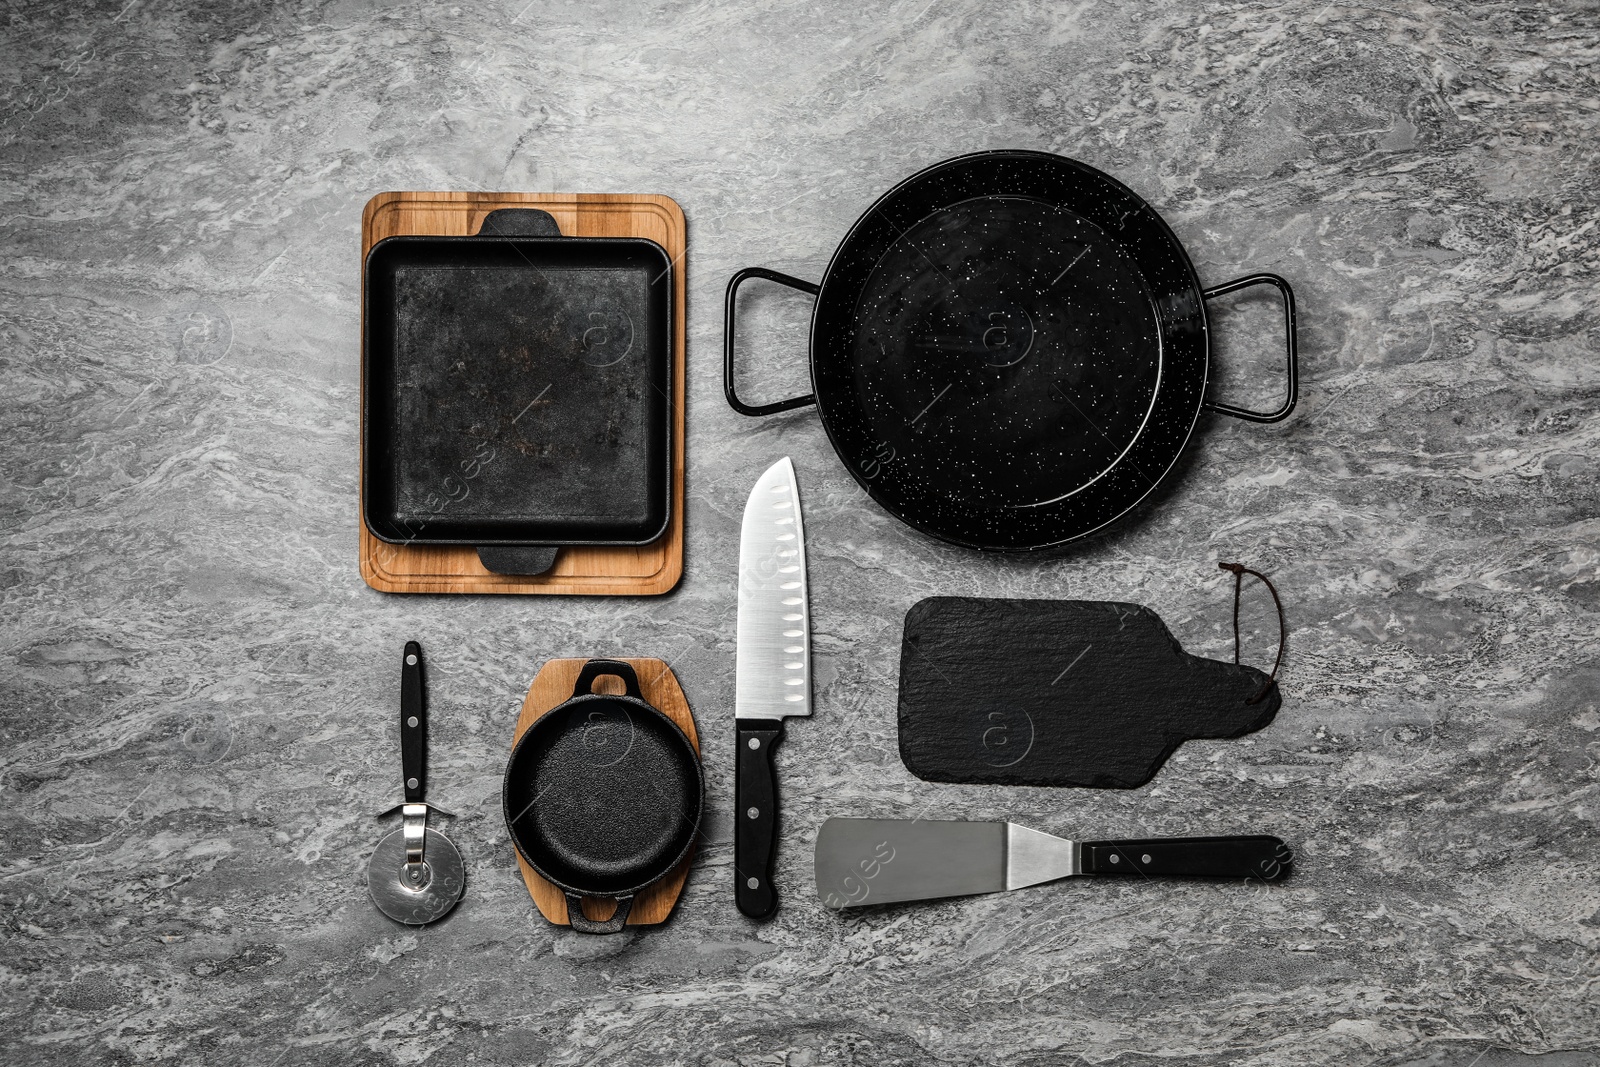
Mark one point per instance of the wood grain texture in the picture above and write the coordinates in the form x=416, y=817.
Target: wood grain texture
x=580, y=570
x=553, y=686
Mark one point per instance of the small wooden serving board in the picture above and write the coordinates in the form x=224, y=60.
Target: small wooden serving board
x=579, y=570
x=553, y=686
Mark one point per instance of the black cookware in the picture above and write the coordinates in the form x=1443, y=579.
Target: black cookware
x=1060, y=693
x=1009, y=350
x=517, y=387
x=603, y=795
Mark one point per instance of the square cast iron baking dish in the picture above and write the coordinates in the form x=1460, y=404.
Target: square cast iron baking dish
x=516, y=388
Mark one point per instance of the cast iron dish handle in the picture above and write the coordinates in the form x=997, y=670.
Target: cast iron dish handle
x=585, y=925
x=727, y=342
x=599, y=668
x=1288, y=337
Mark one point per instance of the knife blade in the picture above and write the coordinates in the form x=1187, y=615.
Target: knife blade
x=773, y=674
x=880, y=861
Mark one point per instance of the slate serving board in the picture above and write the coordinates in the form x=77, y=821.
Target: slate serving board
x=1060, y=693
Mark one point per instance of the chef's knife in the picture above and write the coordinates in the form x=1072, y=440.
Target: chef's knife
x=879, y=861
x=774, y=673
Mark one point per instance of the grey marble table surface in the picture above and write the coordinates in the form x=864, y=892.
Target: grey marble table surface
x=198, y=693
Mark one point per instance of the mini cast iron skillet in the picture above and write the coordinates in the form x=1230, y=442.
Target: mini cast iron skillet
x=603, y=796
x=1009, y=350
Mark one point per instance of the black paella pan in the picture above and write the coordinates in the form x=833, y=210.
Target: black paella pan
x=1010, y=349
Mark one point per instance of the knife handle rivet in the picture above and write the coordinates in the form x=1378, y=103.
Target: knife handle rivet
x=411, y=660
x=753, y=883
x=755, y=742
x=754, y=813
x=412, y=722
x=1145, y=858
x=411, y=783
x=1115, y=858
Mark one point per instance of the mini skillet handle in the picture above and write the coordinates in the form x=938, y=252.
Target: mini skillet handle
x=727, y=341
x=413, y=725
x=755, y=817
x=599, y=668
x=1292, y=395
x=585, y=925
x=1260, y=856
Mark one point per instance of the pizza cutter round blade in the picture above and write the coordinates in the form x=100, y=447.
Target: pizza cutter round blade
x=416, y=893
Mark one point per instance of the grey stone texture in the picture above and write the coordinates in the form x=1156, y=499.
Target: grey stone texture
x=198, y=693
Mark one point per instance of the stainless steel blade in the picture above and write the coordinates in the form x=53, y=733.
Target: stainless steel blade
x=879, y=861
x=421, y=895
x=774, y=653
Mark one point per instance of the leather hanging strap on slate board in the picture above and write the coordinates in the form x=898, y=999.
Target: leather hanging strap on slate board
x=1060, y=692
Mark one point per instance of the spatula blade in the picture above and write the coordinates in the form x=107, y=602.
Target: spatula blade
x=879, y=861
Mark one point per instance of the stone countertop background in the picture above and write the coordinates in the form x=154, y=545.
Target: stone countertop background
x=197, y=691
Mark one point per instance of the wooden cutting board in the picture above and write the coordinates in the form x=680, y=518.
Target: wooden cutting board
x=580, y=570
x=552, y=686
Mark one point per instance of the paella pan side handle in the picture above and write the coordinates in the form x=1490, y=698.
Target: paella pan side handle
x=727, y=341
x=1293, y=393
x=585, y=925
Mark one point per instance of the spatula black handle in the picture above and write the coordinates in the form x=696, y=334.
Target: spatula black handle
x=1259, y=856
x=755, y=817
x=413, y=725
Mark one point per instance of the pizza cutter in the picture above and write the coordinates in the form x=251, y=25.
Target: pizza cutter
x=416, y=874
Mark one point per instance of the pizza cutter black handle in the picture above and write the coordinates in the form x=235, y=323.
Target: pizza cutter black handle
x=727, y=341
x=755, y=817
x=1260, y=856
x=1292, y=396
x=413, y=724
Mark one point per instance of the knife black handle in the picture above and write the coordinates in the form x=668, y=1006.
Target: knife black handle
x=413, y=725
x=1260, y=856
x=755, y=817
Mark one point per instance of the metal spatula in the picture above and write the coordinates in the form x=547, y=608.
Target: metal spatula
x=879, y=861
